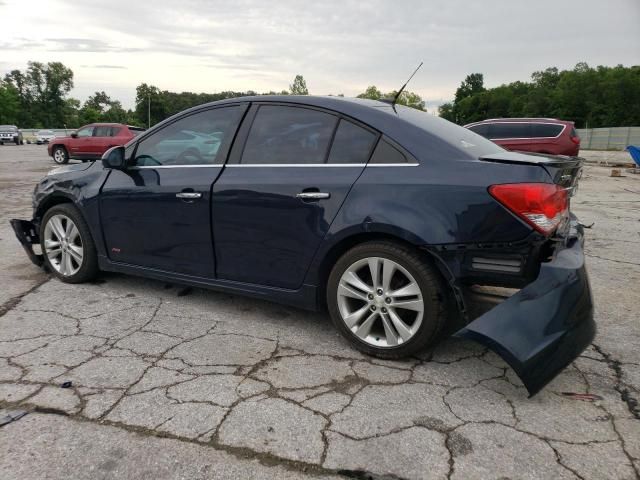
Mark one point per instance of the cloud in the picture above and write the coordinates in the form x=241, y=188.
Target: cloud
x=340, y=46
x=84, y=45
x=104, y=66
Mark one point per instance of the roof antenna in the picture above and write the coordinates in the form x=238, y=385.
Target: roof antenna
x=395, y=99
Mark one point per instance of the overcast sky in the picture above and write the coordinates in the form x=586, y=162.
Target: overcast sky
x=339, y=46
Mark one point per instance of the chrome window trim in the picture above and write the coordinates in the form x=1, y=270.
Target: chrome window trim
x=491, y=122
x=330, y=165
x=141, y=167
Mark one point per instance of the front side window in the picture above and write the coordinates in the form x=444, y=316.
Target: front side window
x=351, y=144
x=85, y=132
x=199, y=139
x=288, y=135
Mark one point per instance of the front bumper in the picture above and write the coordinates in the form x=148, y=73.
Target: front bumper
x=27, y=234
x=546, y=325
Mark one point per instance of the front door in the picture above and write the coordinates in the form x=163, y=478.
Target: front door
x=157, y=212
x=80, y=145
x=276, y=198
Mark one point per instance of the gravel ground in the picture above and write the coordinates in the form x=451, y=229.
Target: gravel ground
x=169, y=382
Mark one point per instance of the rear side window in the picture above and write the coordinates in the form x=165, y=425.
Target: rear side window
x=115, y=131
x=546, y=129
x=387, y=153
x=102, y=131
x=351, y=144
x=288, y=135
x=509, y=130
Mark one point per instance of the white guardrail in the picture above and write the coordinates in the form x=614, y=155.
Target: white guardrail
x=614, y=138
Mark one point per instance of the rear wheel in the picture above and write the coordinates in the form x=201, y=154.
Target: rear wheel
x=386, y=299
x=67, y=245
x=60, y=155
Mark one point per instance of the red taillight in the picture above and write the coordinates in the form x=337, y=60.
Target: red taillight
x=575, y=140
x=541, y=205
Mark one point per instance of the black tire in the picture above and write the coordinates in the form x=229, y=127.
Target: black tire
x=89, y=267
x=426, y=276
x=62, y=155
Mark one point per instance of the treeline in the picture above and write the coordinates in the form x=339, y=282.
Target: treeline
x=591, y=97
x=38, y=98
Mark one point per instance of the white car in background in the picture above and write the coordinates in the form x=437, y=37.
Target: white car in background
x=44, y=136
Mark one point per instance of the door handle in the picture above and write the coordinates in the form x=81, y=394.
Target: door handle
x=188, y=195
x=313, y=195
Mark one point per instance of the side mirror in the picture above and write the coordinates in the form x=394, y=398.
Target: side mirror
x=74, y=134
x=114, y=158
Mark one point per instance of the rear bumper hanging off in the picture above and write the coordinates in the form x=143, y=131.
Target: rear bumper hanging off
x=546, y=325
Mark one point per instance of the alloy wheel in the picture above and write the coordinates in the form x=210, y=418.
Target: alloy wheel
x=380, y=302
x=58, y=156
x=63, y=245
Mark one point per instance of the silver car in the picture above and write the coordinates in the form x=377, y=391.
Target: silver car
x=10, y=134
x=44, y=136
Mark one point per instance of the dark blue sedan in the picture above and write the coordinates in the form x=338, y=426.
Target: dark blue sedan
x=381, y=214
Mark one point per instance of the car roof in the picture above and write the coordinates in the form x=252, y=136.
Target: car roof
x=520, y=120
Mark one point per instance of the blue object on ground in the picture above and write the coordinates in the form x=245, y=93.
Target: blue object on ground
x=635, y=153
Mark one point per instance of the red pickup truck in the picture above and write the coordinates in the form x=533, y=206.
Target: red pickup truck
x=91, y=141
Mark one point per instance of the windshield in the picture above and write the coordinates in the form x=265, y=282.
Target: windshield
x=8, y=128
x=457, y=136
x=45, y=132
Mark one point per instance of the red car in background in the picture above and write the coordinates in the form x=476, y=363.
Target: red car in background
x=91, y=141
x=540, y=135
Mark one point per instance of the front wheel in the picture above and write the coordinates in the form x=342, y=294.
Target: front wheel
x=67, y=245
x=60, y=155
x=386, y=299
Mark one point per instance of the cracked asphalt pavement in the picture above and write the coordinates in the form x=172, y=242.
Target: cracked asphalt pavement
x=168, y=382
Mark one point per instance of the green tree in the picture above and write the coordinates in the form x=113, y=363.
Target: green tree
x=9, y=104
x=410, y=99
x=372, y=93
x=597, y=97
x=446, y=111
x=299, y=86
x=472, y=85
x=42, y=89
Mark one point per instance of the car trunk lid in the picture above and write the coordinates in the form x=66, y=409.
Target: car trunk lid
x=565, y=171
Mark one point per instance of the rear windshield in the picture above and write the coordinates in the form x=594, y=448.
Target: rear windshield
x=135, y=130
x=457, y=136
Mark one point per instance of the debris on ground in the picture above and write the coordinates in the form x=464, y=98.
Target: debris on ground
x=12, y=416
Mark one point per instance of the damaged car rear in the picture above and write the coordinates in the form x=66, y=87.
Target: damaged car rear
x=381, y=214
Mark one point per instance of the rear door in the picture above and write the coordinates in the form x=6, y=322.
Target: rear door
x=288, y=175
x=101, y=140
x=157, y=213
